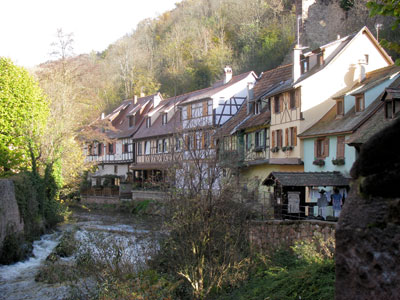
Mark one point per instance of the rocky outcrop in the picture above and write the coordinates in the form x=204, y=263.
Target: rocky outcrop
x=10, y=218
x=368, y=232
x=324, y=20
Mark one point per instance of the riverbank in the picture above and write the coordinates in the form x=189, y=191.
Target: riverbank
x=96, y=232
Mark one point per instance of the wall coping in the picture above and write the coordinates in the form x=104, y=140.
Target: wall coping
x=290, y=222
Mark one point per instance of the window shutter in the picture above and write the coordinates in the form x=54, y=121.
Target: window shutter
x=114, y=147
x=189, y=111
x=287, y=137
x=108, y=148
x=316, y=154
x=280, y=103
x=100, y=149
x=205, y=108
x=187, y=142
x=195, y=140
x=295, y=136
x=273, y=138
x=203, y=138
x=326, y=147
x=297, y=95
x=340, y=147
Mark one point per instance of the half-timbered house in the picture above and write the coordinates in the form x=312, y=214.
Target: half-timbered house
x=116, y=152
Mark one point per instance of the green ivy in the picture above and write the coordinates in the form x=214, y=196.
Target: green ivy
x=346, y=4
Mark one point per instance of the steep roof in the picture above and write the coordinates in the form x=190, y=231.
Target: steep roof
x=307, y=179
x=271, y=79
x=119, y=116
x=263, y=118
x=377, y=121
x=330, y=124
x=173, y=125
x=211, y=91
x=343, y=44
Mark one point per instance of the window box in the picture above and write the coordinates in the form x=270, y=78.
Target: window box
x=275, y=149
x=319, y=162
x=338, y=161
x=287, y=148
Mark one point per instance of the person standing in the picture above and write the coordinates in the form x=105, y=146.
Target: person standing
x=322, y=204
x=337, y=202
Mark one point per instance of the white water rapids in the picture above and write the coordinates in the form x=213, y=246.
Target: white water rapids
x=17, y=281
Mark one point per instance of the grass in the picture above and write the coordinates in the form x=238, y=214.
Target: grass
x=285, y=276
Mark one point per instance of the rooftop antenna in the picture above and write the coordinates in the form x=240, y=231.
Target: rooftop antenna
x=298, y=29
x=378, y=27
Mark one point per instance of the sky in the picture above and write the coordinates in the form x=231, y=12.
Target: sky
x=28, y=27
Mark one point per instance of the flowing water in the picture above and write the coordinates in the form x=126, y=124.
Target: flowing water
x=135, y=237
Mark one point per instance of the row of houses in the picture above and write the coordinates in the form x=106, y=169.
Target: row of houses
x=288, y=132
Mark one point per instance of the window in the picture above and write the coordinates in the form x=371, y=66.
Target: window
x=291, y=136
x=257, y=107
x=139, y=148
x=131, y=120
x=206, y=140
x=260, y=139
x=147, y=147
x=321, y=147
x=292, y=100
x=339, y=107
x=340, y=147
x=159, y=146
x=178, y=145
x=277, y=106
x=279, y=138
x=148, y=122
x=90, y=150
x=197, y=110
x=115, y=169
x=111, y=148
x=389, y=110
x=126, y=148
x=248, y=141
x=304, y=64
x=164, y=118
x=360, y=105
x=165, y=145
x=100, y=149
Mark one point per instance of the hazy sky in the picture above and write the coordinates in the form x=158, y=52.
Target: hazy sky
x=28, y=27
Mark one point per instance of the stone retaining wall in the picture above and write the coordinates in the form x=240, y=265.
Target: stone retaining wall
x=271, y=234
x=10, y=218
x=99, y=200
x=148, y=195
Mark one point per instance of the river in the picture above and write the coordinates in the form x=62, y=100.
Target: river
x=137, y=236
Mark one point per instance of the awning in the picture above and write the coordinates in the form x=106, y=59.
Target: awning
x=307, y=179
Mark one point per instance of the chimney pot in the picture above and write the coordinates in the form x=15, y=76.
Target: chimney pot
x=102, y=116
x=134, y=99
x=228, y=74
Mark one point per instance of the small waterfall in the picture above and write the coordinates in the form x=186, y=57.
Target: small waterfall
x=17, y=281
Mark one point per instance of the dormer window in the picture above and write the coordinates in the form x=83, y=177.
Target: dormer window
x=360, y=104
x=257, y=107
x=339, y=107
x=148, y=122
x=131, y=120
x=305, y=63
x=392, y=108
x=164, y=118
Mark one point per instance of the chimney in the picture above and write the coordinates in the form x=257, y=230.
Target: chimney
x=250, y=96
x=296, y=62
x=156, y=100
x=134, y=99
x=102, y=116
x=142, y=94
x=228, y=74
x=359, y=72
